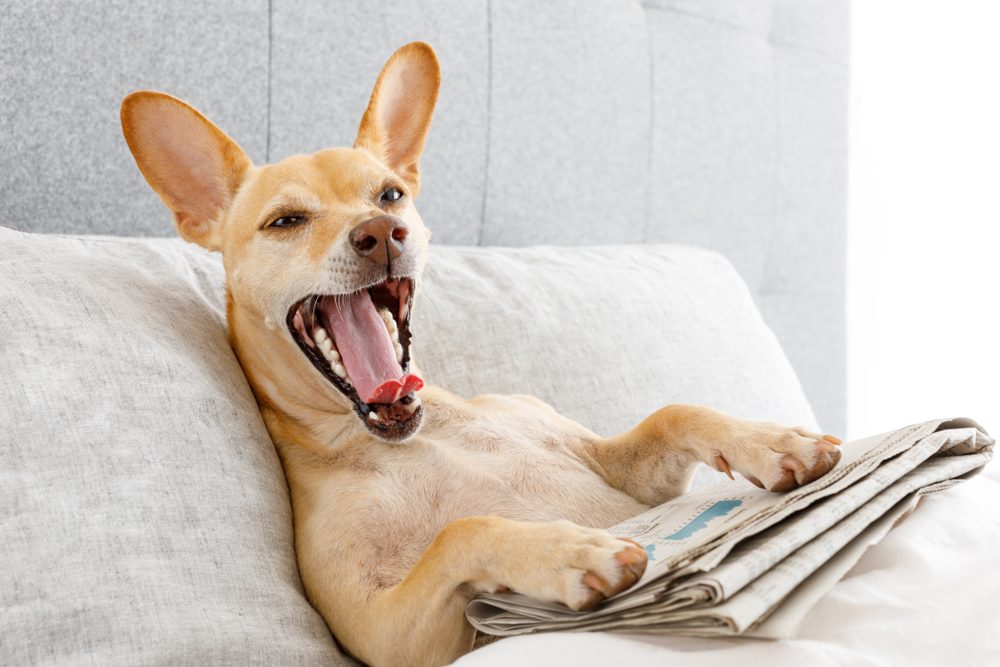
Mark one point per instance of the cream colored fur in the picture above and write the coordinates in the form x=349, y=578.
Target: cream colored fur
x=493, y=492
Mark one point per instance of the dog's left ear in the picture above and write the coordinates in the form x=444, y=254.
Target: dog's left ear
x=398, y=116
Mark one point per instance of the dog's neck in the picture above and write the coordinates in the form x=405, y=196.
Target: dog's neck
x=288, y=390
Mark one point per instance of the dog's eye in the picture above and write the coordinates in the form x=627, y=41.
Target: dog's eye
x=288, y=221
x=391, y=195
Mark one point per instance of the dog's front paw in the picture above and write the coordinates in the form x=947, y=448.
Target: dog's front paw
x=578, y=566
x=778, y=458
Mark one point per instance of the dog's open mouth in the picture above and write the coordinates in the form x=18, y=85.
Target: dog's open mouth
x=361, y=343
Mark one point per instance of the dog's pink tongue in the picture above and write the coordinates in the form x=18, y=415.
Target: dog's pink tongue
x=365, y=348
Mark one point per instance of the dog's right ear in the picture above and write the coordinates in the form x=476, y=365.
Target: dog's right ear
x=192, y=164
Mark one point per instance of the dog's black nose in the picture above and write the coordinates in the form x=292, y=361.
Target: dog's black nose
x=381, y=239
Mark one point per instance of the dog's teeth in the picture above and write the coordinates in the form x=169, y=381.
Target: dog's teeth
x=339, y=369
x=319, y=335
x=399, y=352
x=372, y=416
x=413, y=405
x=333, y=356
x=326, y=346
x=300, y=327
x=390, y=323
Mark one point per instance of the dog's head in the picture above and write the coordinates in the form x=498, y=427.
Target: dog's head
x=322, y=252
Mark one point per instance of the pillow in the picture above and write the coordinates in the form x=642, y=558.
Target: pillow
x=145, y=517
x=605, y=334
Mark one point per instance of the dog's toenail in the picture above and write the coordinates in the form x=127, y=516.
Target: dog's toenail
x=595, y=581
x=630, y=555
x=786, y=483
x=598, y=590
x=789, y=462
x=722, y=465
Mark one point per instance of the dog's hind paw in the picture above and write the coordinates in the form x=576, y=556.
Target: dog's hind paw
x=578, y=566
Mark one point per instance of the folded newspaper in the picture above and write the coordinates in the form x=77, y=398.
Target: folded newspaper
x=732, y=559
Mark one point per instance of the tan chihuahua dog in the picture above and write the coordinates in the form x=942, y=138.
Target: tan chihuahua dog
x=409, y=500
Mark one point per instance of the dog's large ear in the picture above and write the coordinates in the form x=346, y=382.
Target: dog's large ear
x=398, y=116
x=193, y=166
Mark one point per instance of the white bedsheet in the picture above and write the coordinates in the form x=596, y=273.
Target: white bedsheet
x=928, y=594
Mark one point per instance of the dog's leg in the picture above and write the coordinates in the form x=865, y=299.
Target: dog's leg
x=655, y=461
x=421, y=621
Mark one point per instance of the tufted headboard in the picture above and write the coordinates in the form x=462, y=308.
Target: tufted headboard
x=718, y=123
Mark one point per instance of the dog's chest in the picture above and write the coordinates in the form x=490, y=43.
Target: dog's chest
x=415, y=490
x=504, y=475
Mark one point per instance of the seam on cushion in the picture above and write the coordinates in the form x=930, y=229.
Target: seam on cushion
x=708, y=19
x=747, y=31
x=808, y=50
x=489, y=119
x=270, y=53
x=100, y=238
x=652, y=130
x=776, y=198
x=803, y=292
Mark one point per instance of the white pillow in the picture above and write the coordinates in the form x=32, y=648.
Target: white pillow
x=605, y=334
x=145, y=518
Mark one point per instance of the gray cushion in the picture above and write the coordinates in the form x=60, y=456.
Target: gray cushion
x=145, y=516
x=64, y=68
x=718, y=123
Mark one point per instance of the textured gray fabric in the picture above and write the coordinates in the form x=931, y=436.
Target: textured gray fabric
x=143, y=512
x=711, y=122
x=569, y=124
x=765, y=187
x=64, y=69
x=605, y=334
x=326, y=58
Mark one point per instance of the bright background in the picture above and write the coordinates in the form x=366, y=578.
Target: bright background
x=924, y=213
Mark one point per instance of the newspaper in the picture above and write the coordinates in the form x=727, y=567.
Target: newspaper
x=732, y=559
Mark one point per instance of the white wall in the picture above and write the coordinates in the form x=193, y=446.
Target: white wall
x=924, y=214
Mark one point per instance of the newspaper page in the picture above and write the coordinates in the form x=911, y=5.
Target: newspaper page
x=732, y=559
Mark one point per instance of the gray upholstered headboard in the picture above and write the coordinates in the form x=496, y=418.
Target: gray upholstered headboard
x=719, y=123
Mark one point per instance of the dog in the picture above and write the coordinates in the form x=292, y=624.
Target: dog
x=409, y=500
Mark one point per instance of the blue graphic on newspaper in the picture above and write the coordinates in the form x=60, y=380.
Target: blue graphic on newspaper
x=697, y=523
